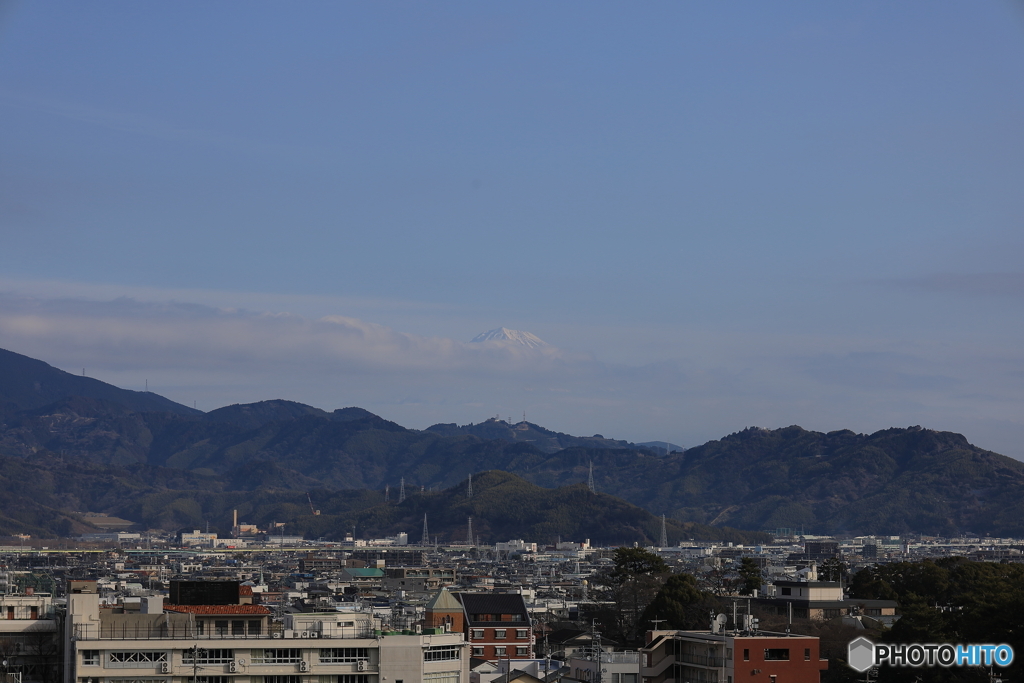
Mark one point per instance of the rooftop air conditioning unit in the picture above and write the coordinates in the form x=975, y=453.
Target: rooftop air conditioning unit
x=361, y=665
x=275, y=635
x=303, y=667
x=305, y=634
x=314, y=634
x=232, y=667
x=165, y=667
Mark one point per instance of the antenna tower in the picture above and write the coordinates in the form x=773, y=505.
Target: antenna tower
x=590, y=480
x=664, y=534
x=469, y=486
x=426, y=536
x=401, y=491
x=469, y=532
x=387, y=492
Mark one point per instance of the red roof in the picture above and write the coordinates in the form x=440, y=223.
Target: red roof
x=217, y=609
x=245, y=590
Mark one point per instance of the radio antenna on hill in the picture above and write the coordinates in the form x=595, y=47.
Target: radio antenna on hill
x=401, y=491
x=469, y=532
x=664, y=534
x=469, y=486
x=426, y=536
x=387, y=493
x=590, y=480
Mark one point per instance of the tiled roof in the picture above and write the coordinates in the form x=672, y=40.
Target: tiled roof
x=245, y=590
x=217, y=609
x=444, y=602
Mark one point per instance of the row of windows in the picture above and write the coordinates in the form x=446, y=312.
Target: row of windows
x=441, y=653
x=236, y=627
x=501, y=651
x=353, y=678
x=497, y=617
x=338, y=655
x=500, y=633
x=344, y=655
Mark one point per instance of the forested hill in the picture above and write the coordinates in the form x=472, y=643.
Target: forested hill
x=27, y=383
x=892, y=481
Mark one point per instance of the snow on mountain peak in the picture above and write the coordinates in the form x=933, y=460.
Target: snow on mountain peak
x=517, y=337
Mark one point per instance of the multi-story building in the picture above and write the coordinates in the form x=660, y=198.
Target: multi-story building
x=497, y=626
x=29, y=642
x=747, y=657
x=240, y=644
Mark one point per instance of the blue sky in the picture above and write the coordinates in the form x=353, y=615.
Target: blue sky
x=719, y=214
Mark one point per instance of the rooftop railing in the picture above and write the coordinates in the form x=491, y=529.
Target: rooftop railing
x=188, y=632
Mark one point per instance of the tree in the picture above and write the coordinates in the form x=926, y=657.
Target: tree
x=632, y=562
x=680, y=604
x=750, y=575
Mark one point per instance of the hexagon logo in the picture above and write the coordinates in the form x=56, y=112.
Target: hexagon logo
x=860, y=654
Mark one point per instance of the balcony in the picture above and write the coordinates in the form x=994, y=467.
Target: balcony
x=700, y=660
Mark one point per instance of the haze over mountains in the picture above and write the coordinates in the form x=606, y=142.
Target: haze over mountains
x=68, y=445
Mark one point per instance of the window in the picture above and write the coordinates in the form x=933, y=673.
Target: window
x=807, y=654
x=776, y=654
x=628, y=678
x=351, y=678
x=746, y=655
x=522, y=651
x=522, y=633
x=211, y=679
x=138, y=680
x=786, y=590
x=238, y=628
x=280, y=655
x=441, y=653
x=208, y=656
x=344, y=655
x=478, y=634
x=499, y=651
x=499, y=633
x=772, y=679
x=90, y=657
x=220, y=627
x=200, y=626
x=516, y=617
x=442, y=677
x=135, y=660
x=255, y=628
x=281, y=679
x=483, y=617
x=478, y=651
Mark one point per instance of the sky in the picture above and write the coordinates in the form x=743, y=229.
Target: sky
x=718, y=215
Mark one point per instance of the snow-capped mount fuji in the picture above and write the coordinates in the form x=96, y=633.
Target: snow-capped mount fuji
x=513, y=337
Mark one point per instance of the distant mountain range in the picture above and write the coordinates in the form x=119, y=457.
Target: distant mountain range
x=96, y=447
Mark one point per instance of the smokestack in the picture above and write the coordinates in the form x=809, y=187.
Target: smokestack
x=234, y=518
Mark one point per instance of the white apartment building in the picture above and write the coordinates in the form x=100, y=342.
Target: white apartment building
x=239, y=644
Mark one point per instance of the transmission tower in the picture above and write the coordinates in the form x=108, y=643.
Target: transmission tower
x=469, y=532
x=401, y=491
x=426, y=536
x=664, y=534
x=469, y=486
x=590, y=480
x=387, y=493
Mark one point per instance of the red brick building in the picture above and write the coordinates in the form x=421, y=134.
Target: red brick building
x=497, y=626
x=703, y=657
